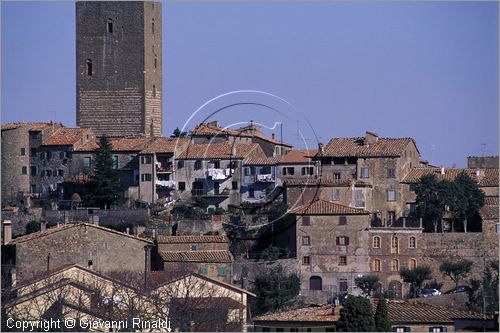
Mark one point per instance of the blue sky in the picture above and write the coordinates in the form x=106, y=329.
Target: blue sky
x=427, y=70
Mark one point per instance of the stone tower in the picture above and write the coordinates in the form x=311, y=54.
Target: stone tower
x=119, y=67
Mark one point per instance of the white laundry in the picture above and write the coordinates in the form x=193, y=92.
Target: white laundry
x=216, y=174
x=265, y=177
x=166, y=183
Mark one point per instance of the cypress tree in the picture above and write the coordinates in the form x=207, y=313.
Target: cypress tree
x=382, y=322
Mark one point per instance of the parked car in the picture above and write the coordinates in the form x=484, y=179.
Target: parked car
x=428, y=293
x=459, y=289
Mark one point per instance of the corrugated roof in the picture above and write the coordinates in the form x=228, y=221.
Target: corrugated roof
x=298, y=157
x=356, y=147
x=486, y=178
x=223, y=150
x=134, y=144
x=309, y=314
x=164, y=145
x=62, y=227
x=67, y=136
x=209, y=256
x=322, y=207
x=191, y=239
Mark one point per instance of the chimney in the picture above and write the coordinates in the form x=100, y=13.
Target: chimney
x=128, y=231
x=272, y=136
x=7, y=231
x=370, y=138
x=320, y=148
x=147, y=264
x=442, y=171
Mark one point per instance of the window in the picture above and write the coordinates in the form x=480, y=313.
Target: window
x=394, y=244
x=336, y=194
x=61, y=155
x=60, y=173
x=342, y=220
x=24, y=170
x=342, y=260
x=391, y=173
x=146, y=177
x=182, y=186
x=154, y=87
x=32, y=151
x=234, y=185
x=251, y=193
x=336, y=175
x=180, y=164
x=391, y=217
x=413, y=187
x=217, y=165
x=233, y=165
x=343, y=286
x=401, y=329
x=197, y=164
x=315, y=283
x=194, y=247
x=306, y=260
x=23, y=151
x=391, y=195
x=412, y=243
x=306, y=240
x=266, y=329
x=342, y=240
x=246, y=171
x=155, y=62
x=376, y=265
x=110, y=26
x=412, y=264
x=364, y=173
x=49, y=155
x=115, y=162
x=145, y=159
x=359, y=198
x=203, y=271
x=394, y=265
x=289, y=171
x=48, y=173
x=497, y=227
x=33, y=170
x=307, y=171
x=87, y=161
x=438, y=329
x=33, y=188
x=153, y=26
x=89, y=67
x=376, y=242
x=221, y=271
x=306, y=220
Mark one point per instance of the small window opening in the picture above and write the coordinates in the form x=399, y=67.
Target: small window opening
x=89, y=67
x=110, y=26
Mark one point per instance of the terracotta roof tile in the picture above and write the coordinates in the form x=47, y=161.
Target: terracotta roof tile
x=164, y=145
x=405, y=312
x=312, y=313
x=49, y=231
x=488, y=179
x=196, y=256
x=355, y=147
x=67, y=136
x=192, y=239
x=310, y=181
x=259, y=160
x=120, y=144
x=298, y=157
x=491, y=201
x=322, y=207
x=223, y=150
x=34, y=126
x=489, y=212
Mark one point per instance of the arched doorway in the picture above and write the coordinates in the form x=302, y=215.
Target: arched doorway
x=315, y=283
x=395, y=290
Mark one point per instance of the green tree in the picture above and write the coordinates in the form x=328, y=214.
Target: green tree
x=483, y=295
x=456, y=270
x=382, y=321
x=356, y=315
x=104, y=187
x=416, y=277
x=474, y=196
x=276, y=289
x=367, y=283
x=428, y=201
x=178, y=133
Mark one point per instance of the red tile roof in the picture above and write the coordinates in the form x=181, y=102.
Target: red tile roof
x=310, y=314
x=49, y=231
x=33, y=126
x=134, y=144
x=310, y=181
x=355, y=147
x=223, y=150
x=67, y=136
x=488, y=179
x=405, y=312
x=208, y=256
x=298, y=157
x=165, y=145
x=259, y=160
x=322, y=207
x=192, y=239
x=491, y=201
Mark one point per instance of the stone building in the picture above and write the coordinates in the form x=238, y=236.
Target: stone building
x=331, y=248
x=88, y=245
x=20, y=143
x=208, y=255
x=119, y=67
x=260, y=179
x=298, y=164
x=213, y=172
x=482, y=162
x=157, y=169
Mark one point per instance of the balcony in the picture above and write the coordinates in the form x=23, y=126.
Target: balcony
x=216, y=194
x=164, y=167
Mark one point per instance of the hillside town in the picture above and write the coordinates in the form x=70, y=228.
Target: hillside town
x=119, y=226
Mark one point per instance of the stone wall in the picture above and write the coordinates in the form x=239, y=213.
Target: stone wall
x=106, y=216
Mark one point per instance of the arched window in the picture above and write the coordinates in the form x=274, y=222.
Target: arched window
x=89, y=67
x=110, y=26
x=315, y=283
x=412, y=264
x=412, y=244
x=394, y=244
x=376, y=242
x=376, y=265
x=394, y=265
